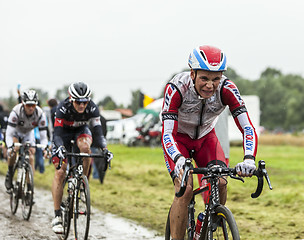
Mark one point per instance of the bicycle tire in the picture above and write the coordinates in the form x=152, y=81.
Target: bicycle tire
x=14, y=196
x=82, y=209
x=67, y=210
x=226, y=226
x=27, y=193
x=167, y=231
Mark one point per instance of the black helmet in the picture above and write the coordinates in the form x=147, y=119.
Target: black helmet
x=30, y=97
x=79, y=92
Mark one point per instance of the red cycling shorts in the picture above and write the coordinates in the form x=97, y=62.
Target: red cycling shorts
x=207, y=150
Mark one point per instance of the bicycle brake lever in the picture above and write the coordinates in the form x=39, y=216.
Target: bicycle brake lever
x=237, y=178
x=184, y=178
x=261, y=173
x=262, y=165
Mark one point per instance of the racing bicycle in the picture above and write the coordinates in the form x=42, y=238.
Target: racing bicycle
x=23, y=180
x=76, y=201
x=217, y=221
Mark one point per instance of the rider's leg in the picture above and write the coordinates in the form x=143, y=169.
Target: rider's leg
x=57, y=189
x=32, y=158
x=84, y=144
x=179, y=210
x=209, y=151
x=11, y=158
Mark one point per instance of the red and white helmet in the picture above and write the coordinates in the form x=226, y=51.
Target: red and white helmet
x=207, y=58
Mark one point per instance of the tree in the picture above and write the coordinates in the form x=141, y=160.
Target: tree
x=107, y=103
x=62, y=93
x=271, y=72
x=136, y=100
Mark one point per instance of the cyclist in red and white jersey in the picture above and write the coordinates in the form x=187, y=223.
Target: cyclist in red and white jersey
x=192, y=103
x=22, y=120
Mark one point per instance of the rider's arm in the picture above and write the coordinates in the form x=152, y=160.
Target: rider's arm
x=11, y=126
x=172, y=101
x=232, y=98
x=43, y=130
x=97, y=132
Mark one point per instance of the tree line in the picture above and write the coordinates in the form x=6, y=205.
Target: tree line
x=281, y=98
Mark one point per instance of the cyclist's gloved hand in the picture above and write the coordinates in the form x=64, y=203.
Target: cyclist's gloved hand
x=61, y=152
x=179, y=165
x=245, y=168
x=109, y=155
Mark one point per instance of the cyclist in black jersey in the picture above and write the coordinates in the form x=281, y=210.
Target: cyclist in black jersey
x=73, y=115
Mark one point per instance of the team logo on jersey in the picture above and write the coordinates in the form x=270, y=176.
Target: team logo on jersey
x=63, y=110
x=249, y=136
x=21, y=123
x=168, y=96
x=169, y=144
x=232, y=88
x=35, y=124
x=42, y=123
x=14, y=119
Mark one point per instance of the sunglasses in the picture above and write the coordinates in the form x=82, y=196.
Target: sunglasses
x=30, y=105
x=79, y=102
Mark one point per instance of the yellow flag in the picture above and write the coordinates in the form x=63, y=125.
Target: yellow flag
x=147, y=100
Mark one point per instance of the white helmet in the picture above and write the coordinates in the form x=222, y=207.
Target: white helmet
x=30, y=97
x=79, y=92
x=207, y=58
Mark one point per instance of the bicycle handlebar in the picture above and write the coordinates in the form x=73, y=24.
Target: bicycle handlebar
x=17, y=144
x=224, y=171
x=78, y=155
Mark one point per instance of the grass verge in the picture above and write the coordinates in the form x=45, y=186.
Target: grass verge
x=139, y=188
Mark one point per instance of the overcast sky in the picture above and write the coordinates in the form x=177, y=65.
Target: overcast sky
x=119, y=46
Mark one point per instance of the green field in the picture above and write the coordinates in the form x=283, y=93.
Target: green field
x=139, y=187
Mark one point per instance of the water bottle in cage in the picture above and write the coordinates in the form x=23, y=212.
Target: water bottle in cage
x=198, y=227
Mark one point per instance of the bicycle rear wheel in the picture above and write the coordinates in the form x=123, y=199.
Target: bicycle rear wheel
x=15, y=191
x=67, y=210
x=82, y=209
x=225, y=227
x=27, y=192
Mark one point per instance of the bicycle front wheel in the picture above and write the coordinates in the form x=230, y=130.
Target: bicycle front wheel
x=82, y=209
x=224, y=227
x=15, y=192
x=167, y=231
x=27, y=194
x=66, y=209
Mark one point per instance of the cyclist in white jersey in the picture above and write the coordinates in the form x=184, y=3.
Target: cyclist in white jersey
x=22, y=120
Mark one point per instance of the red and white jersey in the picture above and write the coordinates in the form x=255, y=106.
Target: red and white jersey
x=184, y=111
